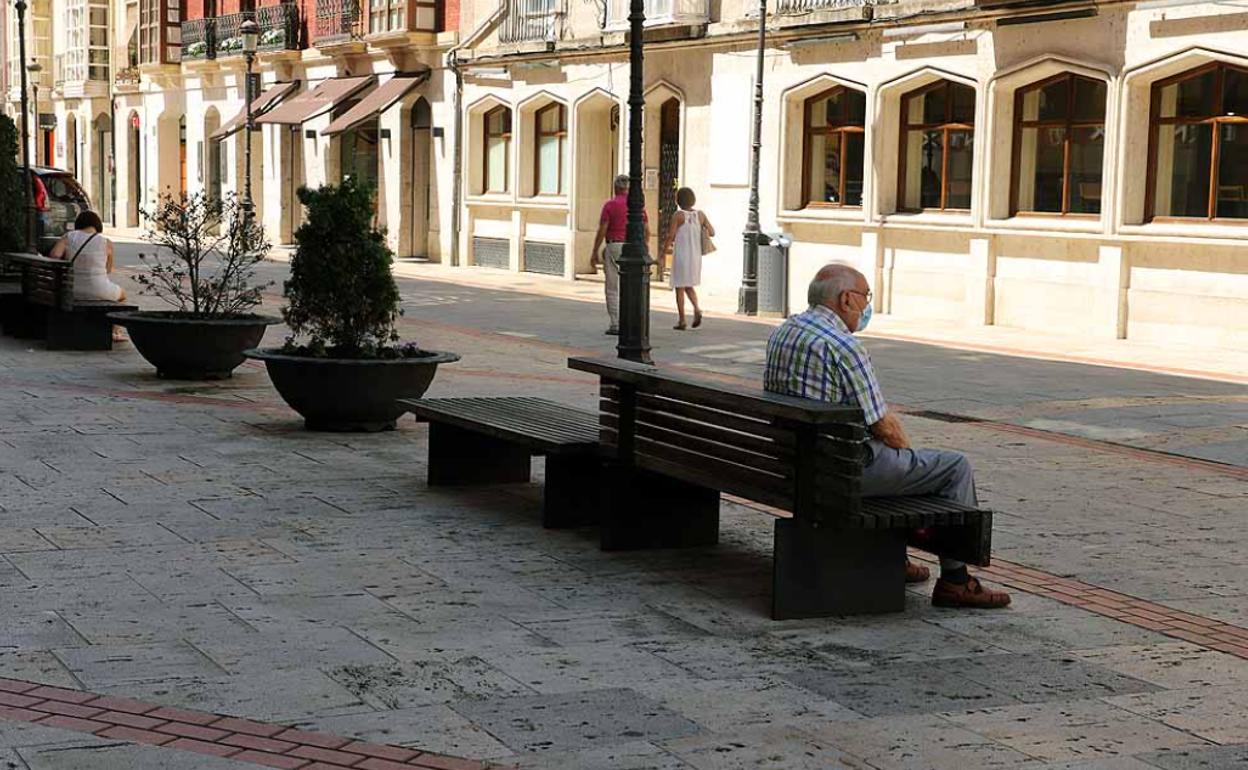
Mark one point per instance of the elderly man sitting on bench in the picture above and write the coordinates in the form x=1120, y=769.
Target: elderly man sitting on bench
x=816, y=355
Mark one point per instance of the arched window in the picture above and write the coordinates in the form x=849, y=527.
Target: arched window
x=551, y=139
x=937, y=147
x=497, y=155
x=1059, y=146
x=1198, y=144
x=832, y=149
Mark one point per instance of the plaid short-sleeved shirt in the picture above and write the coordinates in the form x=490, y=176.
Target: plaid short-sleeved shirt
x=814, y=355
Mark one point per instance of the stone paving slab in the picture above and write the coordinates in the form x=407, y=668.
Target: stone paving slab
x=207, y=553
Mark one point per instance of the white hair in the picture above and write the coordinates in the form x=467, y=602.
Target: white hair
x=832, y=279
x=621, y=182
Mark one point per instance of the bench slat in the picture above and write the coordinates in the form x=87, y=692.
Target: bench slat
x=535, y=422
x=712, y=472
x=736, y=422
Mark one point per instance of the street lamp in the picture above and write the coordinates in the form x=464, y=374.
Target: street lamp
x=634, y=344
x=747, y=299
x=20, y=7
x=251, y=34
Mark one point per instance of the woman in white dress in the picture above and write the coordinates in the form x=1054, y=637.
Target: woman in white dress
x=92, y=256
x=684, y=238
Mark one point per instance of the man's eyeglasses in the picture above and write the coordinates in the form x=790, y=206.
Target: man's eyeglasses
x=869, y=296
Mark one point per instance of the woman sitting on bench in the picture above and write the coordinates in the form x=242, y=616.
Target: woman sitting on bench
x=92, y=257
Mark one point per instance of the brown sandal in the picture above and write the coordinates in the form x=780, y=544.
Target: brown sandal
x=917, y=573
x=969, y=594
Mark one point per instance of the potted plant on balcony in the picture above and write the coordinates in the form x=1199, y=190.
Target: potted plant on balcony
x=343, y=367
x=204, y=267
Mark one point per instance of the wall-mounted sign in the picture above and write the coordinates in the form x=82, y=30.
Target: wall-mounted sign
x=47, y=121
x=651, y=179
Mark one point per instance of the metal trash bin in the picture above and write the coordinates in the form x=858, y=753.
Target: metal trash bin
x=773, y=274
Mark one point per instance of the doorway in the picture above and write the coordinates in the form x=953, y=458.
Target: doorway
x=669, y=172
x=292, y=180
x=182, y=156
x=422, y=125
x=105, y=187
x=71, y=144
x=134, y=143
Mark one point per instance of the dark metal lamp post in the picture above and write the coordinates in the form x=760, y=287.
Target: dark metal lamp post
x=747, y=299
x=634, y=344
x=20, y=7
x=251, y=35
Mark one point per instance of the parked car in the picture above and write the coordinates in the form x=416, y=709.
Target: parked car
x=58, y=199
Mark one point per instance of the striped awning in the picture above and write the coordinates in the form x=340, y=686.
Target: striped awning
x=259, y=106
x=320, y=100
x=383, y=98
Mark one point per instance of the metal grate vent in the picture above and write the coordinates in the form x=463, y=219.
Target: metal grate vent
x=491, y=252
x=543, y=257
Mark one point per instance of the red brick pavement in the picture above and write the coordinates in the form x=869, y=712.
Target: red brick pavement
x=242, y=740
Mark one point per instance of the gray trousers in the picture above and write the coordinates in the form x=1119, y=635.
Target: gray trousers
x=901, y=472
x=611, y=270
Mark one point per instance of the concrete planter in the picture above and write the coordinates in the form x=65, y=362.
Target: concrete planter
x=343, y=395
x=182, y=347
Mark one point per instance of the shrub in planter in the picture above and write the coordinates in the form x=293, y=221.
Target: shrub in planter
x=204, y=268
x=12, y=239
x=343, y=367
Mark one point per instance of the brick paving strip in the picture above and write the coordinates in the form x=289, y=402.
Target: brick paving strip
x=242, y=740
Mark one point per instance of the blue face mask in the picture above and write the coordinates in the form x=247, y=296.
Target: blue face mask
x=864, y=319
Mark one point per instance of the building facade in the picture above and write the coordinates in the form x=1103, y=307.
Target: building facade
x=1069, y=167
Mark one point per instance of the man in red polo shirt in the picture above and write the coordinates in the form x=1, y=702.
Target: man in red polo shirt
x=613, y=229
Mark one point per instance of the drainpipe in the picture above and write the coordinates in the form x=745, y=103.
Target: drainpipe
x=454, y=64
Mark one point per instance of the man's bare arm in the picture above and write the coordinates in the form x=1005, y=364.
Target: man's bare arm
x=889, y=430
x=598, y=239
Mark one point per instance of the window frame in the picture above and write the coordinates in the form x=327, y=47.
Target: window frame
x=561, y=134
x=506, y=135
x=1068, y=123
x=945, y=128
x=839, y=130
x=1155, y=122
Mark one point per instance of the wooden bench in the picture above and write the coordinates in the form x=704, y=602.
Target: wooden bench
x=675, y=443
x=51, y=311
x=492, y=441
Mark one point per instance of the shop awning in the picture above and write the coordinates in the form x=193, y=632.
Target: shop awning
x=380, y=100
x=320, y=100
x=259, y=106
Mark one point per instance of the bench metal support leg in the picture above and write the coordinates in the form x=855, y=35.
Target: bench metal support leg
x=79, y=331
x=648, y=510
x=459, y=457
x=824, y=571
x=574, y=491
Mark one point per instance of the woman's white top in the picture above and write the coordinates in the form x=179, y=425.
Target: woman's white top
x=687, y=251
x=91, y=267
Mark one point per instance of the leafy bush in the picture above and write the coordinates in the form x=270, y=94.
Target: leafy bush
x=11, y=200
x=342, y=296
x=206, y=257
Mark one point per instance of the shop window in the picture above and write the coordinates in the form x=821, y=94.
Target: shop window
x=937, y=147
x=1199, y=145
x=1059, y=146
x=550, y=146
x=832, y=148
x=497, y=154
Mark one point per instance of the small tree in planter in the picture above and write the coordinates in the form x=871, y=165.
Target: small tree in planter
x=342, y=295
x=204, y=267
x=12, y=237
x=343, y=368
x=206, y=255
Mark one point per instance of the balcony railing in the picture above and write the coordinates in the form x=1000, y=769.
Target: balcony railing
x=530, y=21
x=797, y=7
x=337, y=21
x=199, y=39
x=659, y=13
x=279, y=27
